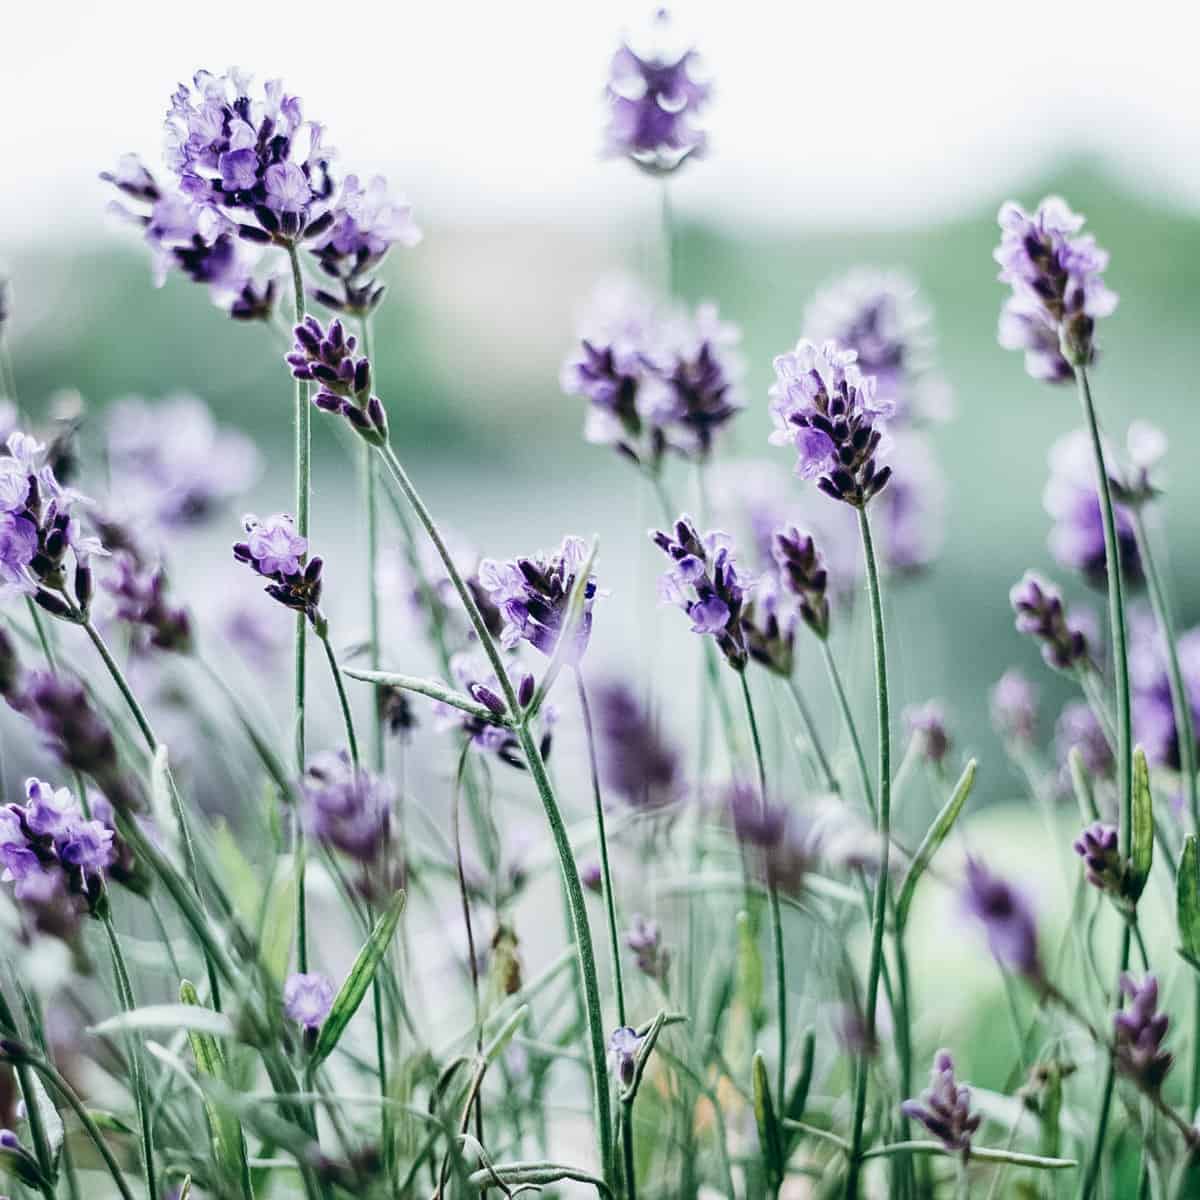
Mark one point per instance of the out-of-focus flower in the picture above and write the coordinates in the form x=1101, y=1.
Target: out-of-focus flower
x=140, y=600
x=1103, y=866
x=1007, y=919
x=1139, y=1033
x=307, y=999
x=655, y=92
x=636, y=763
x=274, y=550
x=644, y=938
x=824, y=407
x=783, y=845
x=910, y=514
x=591, y=876
x=174, y=463
x=1041, y=614
x=1153, y=710
x=1071, y=499
x=705, y=584
x=945, y=1107
x=927, y=725
x=881, y=316
x=1056, y=274
x=1078, y=729
x=250, y=629
x=531, y=594
x=1014, y=707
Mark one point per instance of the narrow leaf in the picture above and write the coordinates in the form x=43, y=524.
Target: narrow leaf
x=768, y=1125
x=168, y=1018
x=1141, y=855
x=1187, y=900
x=435, y=689
x=352, y=991
x=931, y=843
x=160, y=795
x=799, y=1097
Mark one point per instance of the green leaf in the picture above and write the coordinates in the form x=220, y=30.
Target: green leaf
x=768, y=1125
x=930, y=844
x=799, y=1097
x=1080, y=781
x=109, y=1122
x=160, y=795
x=1141, y=853
x=1187, y=900
x=228, y=1141
x=354, y=988
x=435, y=689
x=279, y=925
x=749, y=968
x=168, y=1018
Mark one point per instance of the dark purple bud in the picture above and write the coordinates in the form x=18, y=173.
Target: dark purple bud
x=487, y=698
x=525, y=690
x=319, y=226
x=375, y=411
x=52, y=604
x=327, y=402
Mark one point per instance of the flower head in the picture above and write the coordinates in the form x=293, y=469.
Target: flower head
x=1153, y=706
x=635, y=762
x=769, y=620
x=654, y=95
x=307, y=999
x=276, y=551
x=945, y=1107
x=1014, y=707
x=783, y=845
x=705, y=584
x=1056, y=274
x=1006, y=917
x=327, y=357
x=927, y=725
x=532, y=596
x=346, y=807
x=140, y=596
x=1097, y=846
x=830, y=412
x=623, y=1047
x=802, y=573
x=1139, y=1032
x=644, y=938
x=1078, y=729
x=1041, y=614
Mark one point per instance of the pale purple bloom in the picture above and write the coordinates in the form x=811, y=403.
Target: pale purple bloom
x=1007, y=919
x=1056, y=274
x=1014, y=707
x=50, y=812
x=307, y=999
x=1078, y=729
x=249, y=629
x=623, y=1047
x=139, y=594
x=1040, y=612
x=1139, y=1032
x=88, y=846
x=635, y=761
x=347, y=808
x=275, y=546
x=783, y=845
x=945, y=1107
x=926, y=724
x=644, y=938
x=1103, y=866
x=531, y=595
x=18, y=545
x=655, y=93
x=825, y=408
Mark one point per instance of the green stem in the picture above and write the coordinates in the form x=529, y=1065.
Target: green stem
x=627, y=1150
x=343, y=699
x=303, y=470
x=773, y=898
x=883, y=826
x=814, y=738
x=839, y=690
x=371, y=503
x=137, y=1065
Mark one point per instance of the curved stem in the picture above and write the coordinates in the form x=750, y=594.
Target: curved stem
x=776, y=914
x=343, y=700
x=839, y=690
x=883, y=826
x=302, y=417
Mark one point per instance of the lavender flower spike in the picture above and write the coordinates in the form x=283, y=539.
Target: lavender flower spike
x=1139, y=1032
x=706, y=585
x=1006, y=917
x=825, y=407
x=274, y=550
x=327, y=358
x=802, y=572
x=1040, y=613
x=1056, y=274
x=945, y=1107
x=654, y=94
x=307, y=1000
x=635, y=762
x=532, y=594
x=1097, y=846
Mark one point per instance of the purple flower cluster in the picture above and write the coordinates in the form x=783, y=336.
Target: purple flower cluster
x=349, y=809
x=644, y=938
x=1078, y=729
x=623, y=1047
x=769, y=620
x=1103, y=866
x=140, y=600
x=635, y=761
x=1139, y=1033
x=1007, y=919
x=824, y=406
x=1014, y=707
x=531, y=595
x=705, y=584
x=1041, y=614
x=327, y=358
x=655, y=382
x=274, y=550
x=307, y=999
x=175, y=465
x=784, y=846
x=654, y=95
x=1056, y=274
x=945, y=1107
x=802, y=572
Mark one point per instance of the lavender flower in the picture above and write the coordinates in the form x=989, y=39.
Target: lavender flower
x=644, y=938
x=706, y=585
x=829, y=411
x=346, y=807
x=1071, y=499
x=174, y=463
x=307, y=1000
x=623, y=1047
x=927, y=725
x=254, y=633
x=251, y=157
x=1153, y=709
x=1056, y=275
x=532, y=596
x=591, y=876
x=1040, y=613
x=1006, y=917
x=769, y=619
x=1014, y=707
x=802, y=573
x=141, y=602
x=654, y=96
x=276, y=551
x=1103, y=866
x=881, y=316
x=327, y=358
x=635, y=762
x=783, y=845
x=1139, y=1032
x=945, y=1107
x=1078, y=729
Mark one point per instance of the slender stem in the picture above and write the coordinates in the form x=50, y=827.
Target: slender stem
x=776, y=914
x=303, y=470
x=883, y=826
x=627, y=1150
x=370, y=477
x=137, y=1066
x=472, y=956
x=839, y=690
x=343, y=700
x=610, y=903
x=814, y=738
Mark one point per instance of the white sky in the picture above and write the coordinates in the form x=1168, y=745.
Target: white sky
x=489, y=112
